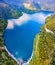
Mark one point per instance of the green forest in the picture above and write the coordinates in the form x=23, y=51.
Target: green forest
x=44, y=44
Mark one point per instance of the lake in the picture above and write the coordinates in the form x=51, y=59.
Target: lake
x=19, y=34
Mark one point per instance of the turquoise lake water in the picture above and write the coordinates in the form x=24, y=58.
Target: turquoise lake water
x=19, y=40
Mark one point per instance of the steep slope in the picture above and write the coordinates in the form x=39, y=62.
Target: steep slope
x=7, y=12
x=48, y=5
x=5, y=59
x=44, y=44
x=21, y=5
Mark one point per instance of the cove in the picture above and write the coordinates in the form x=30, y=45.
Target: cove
x=19, y=34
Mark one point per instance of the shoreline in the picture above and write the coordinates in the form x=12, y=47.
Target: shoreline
x=30, y=58
x=10, y=54
x=15, y=58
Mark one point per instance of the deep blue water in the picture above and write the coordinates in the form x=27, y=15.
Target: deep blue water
x=19, y=41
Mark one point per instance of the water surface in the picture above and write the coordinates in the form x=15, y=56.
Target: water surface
x=19, y=40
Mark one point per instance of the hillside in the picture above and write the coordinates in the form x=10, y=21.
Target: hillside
x=7, y=12
x=5, y=59
x=44, y=44
x=47, y=5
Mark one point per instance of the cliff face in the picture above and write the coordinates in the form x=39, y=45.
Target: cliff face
x=44, y=44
